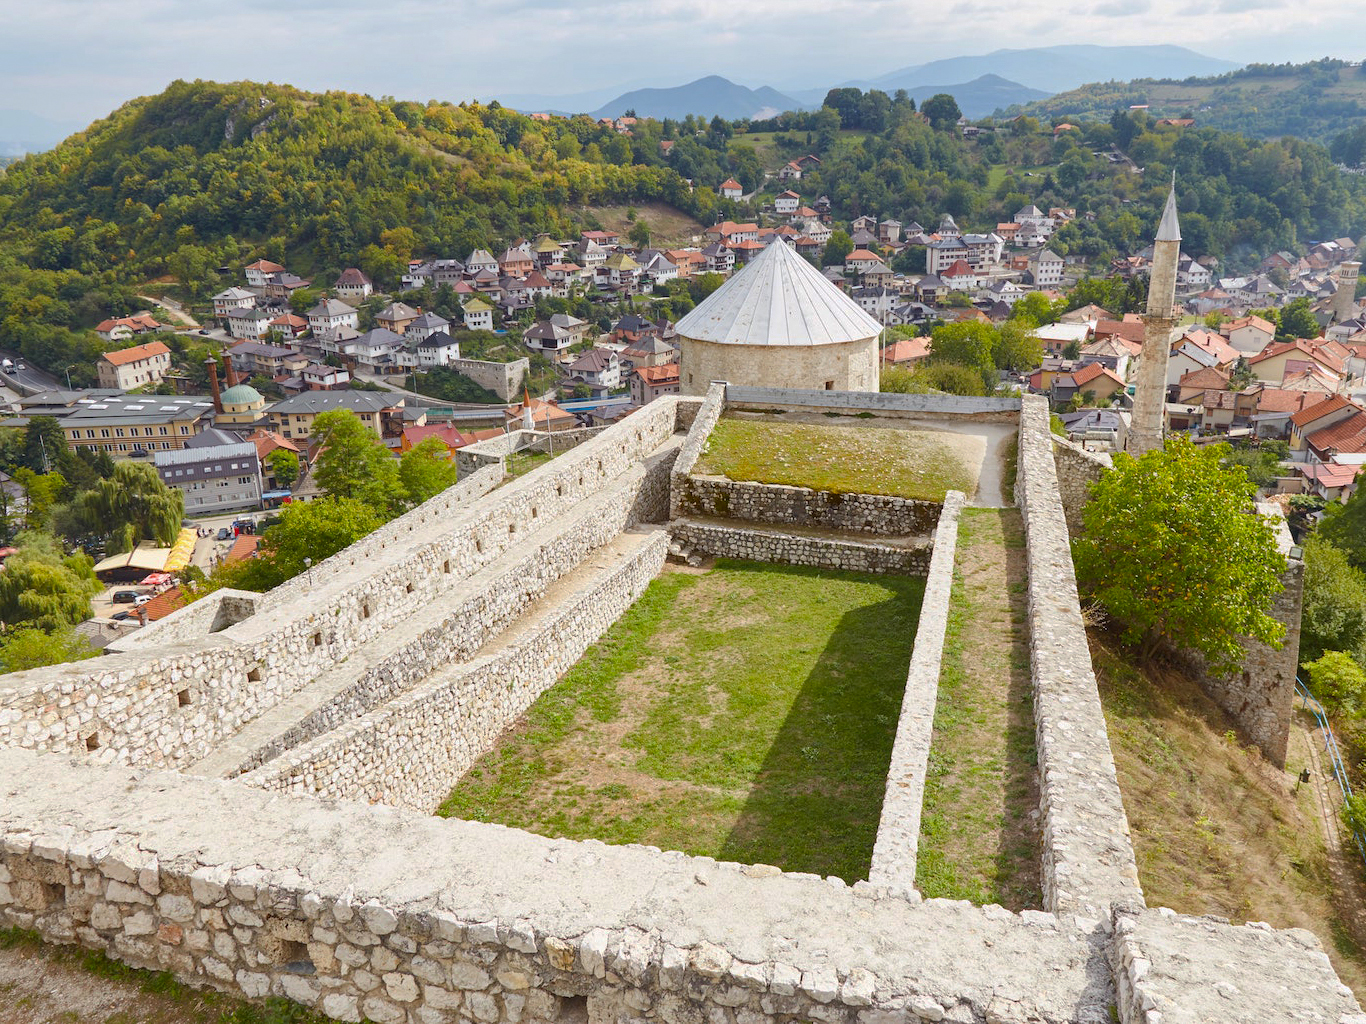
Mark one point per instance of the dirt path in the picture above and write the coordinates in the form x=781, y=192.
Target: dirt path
x=979, y=836
x=172, y=310
x=1344, y=859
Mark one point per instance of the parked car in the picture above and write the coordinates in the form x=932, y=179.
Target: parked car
x=122, y=616
x=125, y=596
x=141, y=600
x=224, y=533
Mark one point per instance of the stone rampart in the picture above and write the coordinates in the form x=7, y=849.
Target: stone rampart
x=411, y=752
x=168, y=705
x=494, y=450
x=1088, y=861
x=1077, y=470
x=1171, y=967
x=409, y=919
x=780, y=504
x=776, y=545
x=503, y=379
x=708, y=412
x=477, y=613
x=898, y=830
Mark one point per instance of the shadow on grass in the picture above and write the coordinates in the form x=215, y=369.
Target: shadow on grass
x=815, y=801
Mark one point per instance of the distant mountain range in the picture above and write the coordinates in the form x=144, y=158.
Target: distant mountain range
x=981, y=84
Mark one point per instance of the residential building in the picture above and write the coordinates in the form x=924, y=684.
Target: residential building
x=426, y=325
x=131, y=368
x=731, y=189
x=232, y=298
x=124, y=327
x=252, y=358
x=353, y=284
x=480, y=260
x=396, y=316
x=250, y=322
x=649, y=382
x=545, y=336
x=293, y=417
x=436, y=349
x=478, y=315
x=786, y=203
x=1249, y=334
x=1047, y=269
x=215, y=477
x=599, y=368
x=259, y=273
x=284, y=284
x=329, y=314
x=321, y=377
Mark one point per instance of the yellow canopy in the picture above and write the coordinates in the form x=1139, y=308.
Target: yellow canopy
x=181, y=551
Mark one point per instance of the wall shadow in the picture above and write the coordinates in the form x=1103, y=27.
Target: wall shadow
x=815, y=802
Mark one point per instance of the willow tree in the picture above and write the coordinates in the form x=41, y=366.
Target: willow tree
x=43, y=589
x=131, y=506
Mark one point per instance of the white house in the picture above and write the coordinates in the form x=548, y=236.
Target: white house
x=436, y=349
x=598, y=367
x=249, y=322
x=234, y=298
x=330, y=314
x=787, y=202
x=260, y=273
x=426, y=325
x=480, y=259
x=353, y=284
x=731, y=189
x=1047, y=269
x=478, y=315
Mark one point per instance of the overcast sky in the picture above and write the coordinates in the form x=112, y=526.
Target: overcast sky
x=79, y=59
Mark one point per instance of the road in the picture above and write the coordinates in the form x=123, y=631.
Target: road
x=173, y=309
x=25, y=378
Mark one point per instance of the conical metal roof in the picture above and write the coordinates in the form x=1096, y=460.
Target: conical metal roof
x=778, y=299
x=1170, y=229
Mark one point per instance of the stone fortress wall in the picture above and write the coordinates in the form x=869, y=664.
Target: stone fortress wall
x=359, y=909
x=503, y=379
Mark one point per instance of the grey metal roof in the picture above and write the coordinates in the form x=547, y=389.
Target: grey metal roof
x=321, y=401
x=217, y=453
x=778, y=299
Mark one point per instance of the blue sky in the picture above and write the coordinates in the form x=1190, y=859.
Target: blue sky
x=78, y=59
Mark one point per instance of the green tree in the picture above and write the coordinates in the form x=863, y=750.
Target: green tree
x=353, y=462
x=1344, y=526
x=1298, y=321
x=967, y=343
x=284, y=466
x=28, y=647
x=44, y=590
x=131, y=506
x=837, y=249
x=1174, y=551
x=1334, y=614
x=941, y=110
x=426, y=470
x=45, y=447
x=639, y=234
x=311, y=530
x=1017, y=348
x=41, y=491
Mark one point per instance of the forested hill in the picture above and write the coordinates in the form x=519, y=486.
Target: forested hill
x=1316, y=101
x=205, y=176
x=314, y=177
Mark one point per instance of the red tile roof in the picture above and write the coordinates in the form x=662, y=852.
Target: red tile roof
x=1347, y=436
x=1319, y=410
x=657, y=375
x=125, y=356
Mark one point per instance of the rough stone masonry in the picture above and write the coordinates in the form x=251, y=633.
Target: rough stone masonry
x=360, y=909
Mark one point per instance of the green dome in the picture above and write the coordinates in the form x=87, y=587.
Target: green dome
x=242, y=394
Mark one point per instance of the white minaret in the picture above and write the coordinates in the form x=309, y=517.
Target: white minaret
x=1150, y=395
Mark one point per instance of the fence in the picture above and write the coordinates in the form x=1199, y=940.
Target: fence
x=1330, y=745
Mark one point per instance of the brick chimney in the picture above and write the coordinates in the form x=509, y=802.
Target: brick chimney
x=211, y=365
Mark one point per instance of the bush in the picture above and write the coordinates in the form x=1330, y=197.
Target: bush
x=1338, y=682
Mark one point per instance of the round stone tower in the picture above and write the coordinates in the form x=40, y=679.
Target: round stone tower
x=779, y=323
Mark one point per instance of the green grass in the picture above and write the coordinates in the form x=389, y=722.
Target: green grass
x=977, y=841
x=521, y=463
x=919, y=464
x=746, y=713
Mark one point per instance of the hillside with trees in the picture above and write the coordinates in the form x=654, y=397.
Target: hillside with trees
x=1316, y=101
x=189, y=185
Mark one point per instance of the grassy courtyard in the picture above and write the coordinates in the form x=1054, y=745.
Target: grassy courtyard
x=746, y=712
x=921, y=464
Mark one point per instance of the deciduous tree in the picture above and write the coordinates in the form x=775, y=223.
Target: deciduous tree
x=1175, y=551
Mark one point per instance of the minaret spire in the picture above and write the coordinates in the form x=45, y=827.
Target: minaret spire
x=1150, y=395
